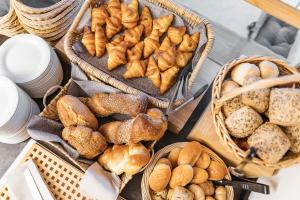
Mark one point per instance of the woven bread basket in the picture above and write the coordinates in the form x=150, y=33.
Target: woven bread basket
x=288, y=75
x=189, y=16
x=146, y=193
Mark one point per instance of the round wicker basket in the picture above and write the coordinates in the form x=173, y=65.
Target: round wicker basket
x=146, y=192
x=288, y=75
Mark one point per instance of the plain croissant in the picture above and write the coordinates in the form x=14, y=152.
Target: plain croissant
x=128, y=159
x=153, y=72
x=136, y=52
x=135, y=69
x=144, y=127
x=168, y=78
x=166, y=44
x=130, y=15
x=176, y=34
x=99, y=16
x=162, y=23
x=151, y=43
x=146, y=21
x=100, y=41
x=116, y=55
x=114, y=7
x=88, y=40
x=189, y=43
x=133, y=35
x=117, y=40
x=182, y=58
x=166, y=59
x=113, y=26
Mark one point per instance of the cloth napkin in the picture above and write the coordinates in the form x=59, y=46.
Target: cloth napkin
x=99, y=184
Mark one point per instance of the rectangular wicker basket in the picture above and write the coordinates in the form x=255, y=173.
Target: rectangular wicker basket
x=189, y=16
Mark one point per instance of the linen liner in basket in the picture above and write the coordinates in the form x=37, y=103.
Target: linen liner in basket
x=47, y=129
x=189, y=18
x=218, y=100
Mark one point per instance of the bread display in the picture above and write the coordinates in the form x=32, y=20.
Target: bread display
x=243, y=72
x=129, y=159
x=87, y=142
x=293, y=133
x=190, y=153
x=268, y=69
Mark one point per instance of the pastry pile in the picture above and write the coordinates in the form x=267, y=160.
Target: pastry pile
x=119, y=143
x=134, y=39
x=268, y=119
x=187, y=173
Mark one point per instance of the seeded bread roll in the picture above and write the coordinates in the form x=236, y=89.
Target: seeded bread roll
x=257, y=99
x=268, y=69
x=243, y=122
x=293, y=133
x=284, y=107
x=270, y=141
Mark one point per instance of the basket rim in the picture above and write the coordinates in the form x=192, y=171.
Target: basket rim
x=219, y=119
x=167, y=149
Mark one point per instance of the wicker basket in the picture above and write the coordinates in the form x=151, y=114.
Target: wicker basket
x=163, y=153
x=187, y=15
x=218, y=100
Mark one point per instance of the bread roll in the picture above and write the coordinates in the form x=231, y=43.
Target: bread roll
x=228, y=86
x=208, y=188
x=293, y=133
x=164, y=161
x=72, y=112
x=198, y=192
x=181, y=176
x=160, y=177
x=129, y=159
x=232, y=105
x=161, y=195
x=173, y=156
x=190, y=153
x=216, y=171
x=243, y=71
x=220, y=193
x=270, y=141
x=170, y=194
x=87, y=142
x=200, y=175
x=268, y=69
x=180, y=193
x=243, y=122
x=204, y=160
x=284, y=107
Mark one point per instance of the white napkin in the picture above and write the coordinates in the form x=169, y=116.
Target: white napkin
x=283, y=185
x=100, y=184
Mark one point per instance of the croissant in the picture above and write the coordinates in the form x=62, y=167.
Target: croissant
x=100, y=41
x=116, y=55
x=135, y=69
x=134, y=5
x=117, y=40
x=136, y=52
x=189, y=43
x=166, y=59
x=176, y=34
x=153, y=72
x=162, y=23
x=130, y=16
x=88, y=40
x=114, y=7
x=182, y=58
x=144, y=127
x=99, y=16
x=166, y=44
x=168, y=78
x=113, y=26
x=133, y=36
x=146, y=20
x=151, y=43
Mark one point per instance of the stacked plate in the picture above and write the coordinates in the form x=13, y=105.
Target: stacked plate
x=31, y=63
x=17, y=108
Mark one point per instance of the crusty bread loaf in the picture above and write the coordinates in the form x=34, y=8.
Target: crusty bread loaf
x=87, y=142
x=284, y=107
x=72, y=112
x=129, y=159
x=190, y=153
x=216, y=171
x=181, y=176
x=181, y=193
x=173, y=156
x=160, y=177
x=203, y=161
x=268, y=69
x=200, y=175
x=270, y=141
x=243, y=71
x=293, y=133
x=243, y=122
x=257, y=99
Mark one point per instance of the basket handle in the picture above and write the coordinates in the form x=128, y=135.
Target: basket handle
x=261, y=84
x=55, y=87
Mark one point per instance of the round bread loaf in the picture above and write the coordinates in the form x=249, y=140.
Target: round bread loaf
x=268, y=69
x=160, y=177
x=243, y=71
x=293, y=133
x=181, y=176
x=284, y=107
x=270, y=141
x=190, y=153
x=243, y=122
x=257, y=99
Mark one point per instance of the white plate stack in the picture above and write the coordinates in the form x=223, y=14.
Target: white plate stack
x=31, y=63
x=17, y=108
